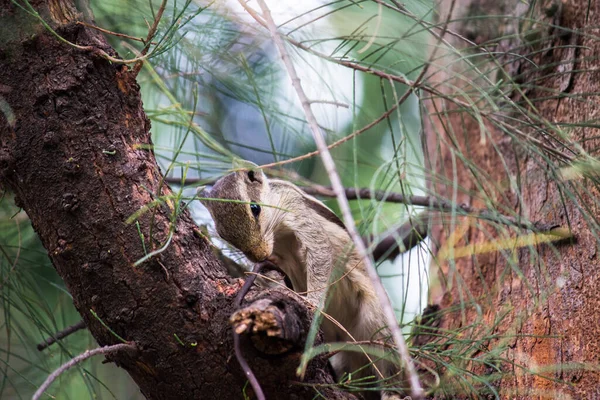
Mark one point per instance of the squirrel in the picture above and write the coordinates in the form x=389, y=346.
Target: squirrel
x=274, y=220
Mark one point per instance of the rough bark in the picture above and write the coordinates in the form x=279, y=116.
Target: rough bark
x=553, y=306
x=70, y=132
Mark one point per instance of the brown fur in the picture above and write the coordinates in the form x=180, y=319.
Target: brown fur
x=308, y=242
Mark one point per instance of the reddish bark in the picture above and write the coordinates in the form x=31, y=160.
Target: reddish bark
x=553, y=306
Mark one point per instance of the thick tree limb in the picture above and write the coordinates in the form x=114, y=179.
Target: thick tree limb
x=407, y=236
x=72, y=156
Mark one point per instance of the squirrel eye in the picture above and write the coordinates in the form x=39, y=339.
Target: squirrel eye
x=255, y=208
x=251, y=176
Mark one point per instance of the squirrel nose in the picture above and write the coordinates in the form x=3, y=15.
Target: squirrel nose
x=261, y=255
x=263, y=258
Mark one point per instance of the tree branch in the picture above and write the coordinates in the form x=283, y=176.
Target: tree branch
x=117, y=34
x=433, y=204
x=430, y=202
x=75, y=155
x=61, y=335
x=76, y=360
x=236, y=332
x=409, y=234
x=151, y=32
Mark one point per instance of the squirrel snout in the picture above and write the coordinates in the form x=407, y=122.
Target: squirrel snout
x=257, y=256
x=259, y=253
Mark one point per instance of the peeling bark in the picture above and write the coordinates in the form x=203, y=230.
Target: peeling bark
x=70, y=151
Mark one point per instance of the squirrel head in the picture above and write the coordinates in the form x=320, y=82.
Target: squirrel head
x=241, y=220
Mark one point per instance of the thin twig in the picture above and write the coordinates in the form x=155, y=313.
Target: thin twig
x=123, y=35
x=151, y=33
x=416, y=389
x=433, y=204
x=61, y=335
x=332, y=102
x=490, y=115
x=236, y=337
x=430, y=202
x=92, y=49
x=365, y=128
x=76, y=360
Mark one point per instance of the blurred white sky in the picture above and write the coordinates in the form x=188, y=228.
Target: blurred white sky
x=320, y=80
x=406, y=279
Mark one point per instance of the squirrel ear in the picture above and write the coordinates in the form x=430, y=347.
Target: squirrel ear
x=256, y=175
x=261, y=173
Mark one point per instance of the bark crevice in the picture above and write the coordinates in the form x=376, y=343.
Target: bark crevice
x=72, y=157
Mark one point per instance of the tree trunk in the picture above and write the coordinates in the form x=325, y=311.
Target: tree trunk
x=70, y=135
x=541, y=316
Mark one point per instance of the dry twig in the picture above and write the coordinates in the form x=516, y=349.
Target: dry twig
x=117, y=34
x=61, y=335
x=236, y=337
x=415, y=385
x=432, y=203
x=151, y=33
x=76, y=360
